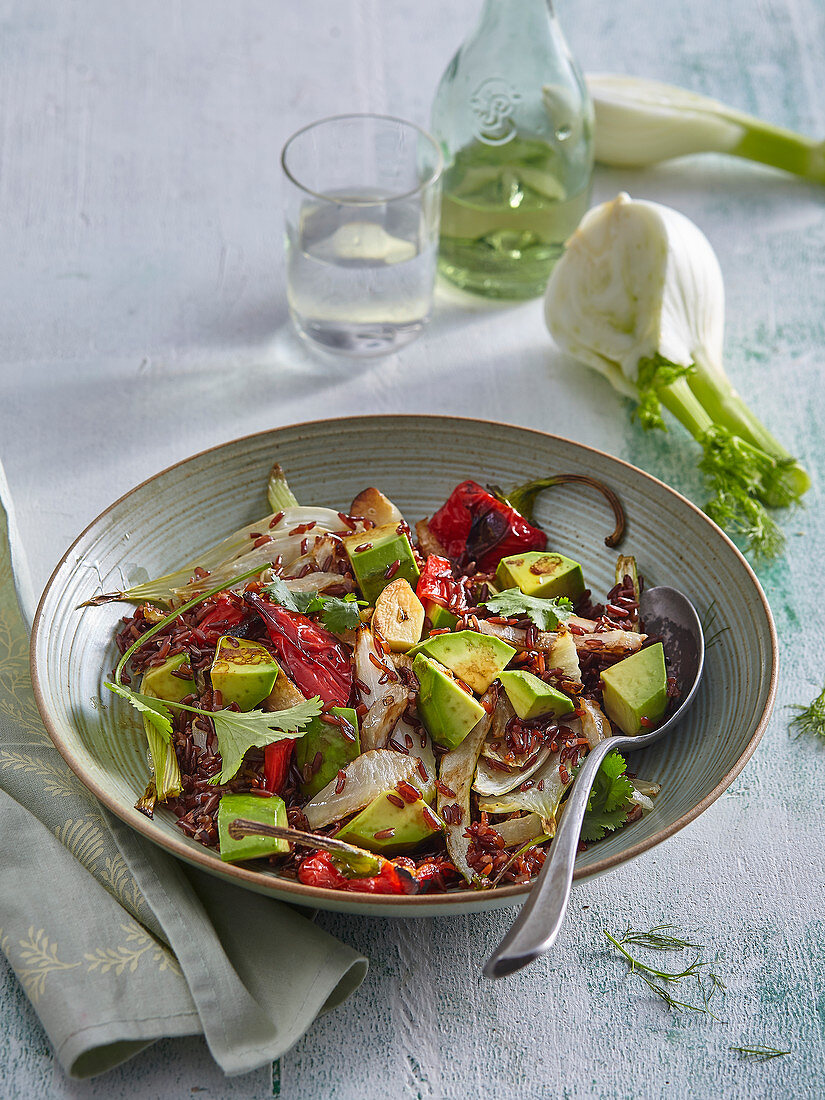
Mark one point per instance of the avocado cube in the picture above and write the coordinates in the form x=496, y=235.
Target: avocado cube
x=532, y=698
x=160, y=682
x=474, y=658
x=336, y=749
x=372, y=553
x=542, y=574
x=440, y=618
x=444, y=707
x=636, y=689
x=244, y=672
x=398, y=828
x=266, y=811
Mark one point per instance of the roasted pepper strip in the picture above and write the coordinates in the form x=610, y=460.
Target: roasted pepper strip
x=277, y=758
x=314, y=659
x=320, y=870
x=473, y=526
x=225, y=616
x=438, y=585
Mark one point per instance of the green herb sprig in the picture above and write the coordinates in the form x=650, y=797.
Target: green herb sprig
x=762, y=1053
x=659, y=981
x=338, y=614
x=810, y=719
x=609, y=800
x=546, y=614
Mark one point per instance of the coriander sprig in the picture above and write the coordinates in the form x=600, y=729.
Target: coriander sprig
x=545, y=613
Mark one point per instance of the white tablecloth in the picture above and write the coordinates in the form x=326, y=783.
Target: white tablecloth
x=144, y=318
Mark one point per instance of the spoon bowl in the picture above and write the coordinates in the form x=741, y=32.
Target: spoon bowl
x=669, y=615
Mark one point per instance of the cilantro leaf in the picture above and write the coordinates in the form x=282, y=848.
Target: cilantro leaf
x=546, y=614
x=151, y=708
x=337, y=614
x=609, y=799
x=279, y=592
x=239, y=731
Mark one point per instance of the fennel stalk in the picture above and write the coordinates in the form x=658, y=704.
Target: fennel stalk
x=641, y=122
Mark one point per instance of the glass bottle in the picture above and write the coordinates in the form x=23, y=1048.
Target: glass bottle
x=515, y=123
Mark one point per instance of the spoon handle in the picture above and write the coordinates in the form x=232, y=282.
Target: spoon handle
x=537, y=925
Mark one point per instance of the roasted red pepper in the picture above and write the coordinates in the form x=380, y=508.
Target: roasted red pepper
x=438, y=585
x=277, y=758
x=320, y=870
x=226, y=615
x=434, y=868
x=473, y=526
x=315, y=659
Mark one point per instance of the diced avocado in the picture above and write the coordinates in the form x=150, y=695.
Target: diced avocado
x=371, y=553
x=160, y=682
x=440, y=618
x=532, y=698
x=444, y=707
x=636, y=689
x=243, y=671
x=266, y=811
x=335, y=748
x=409, y=825
x=543, y=574
x=474, y=658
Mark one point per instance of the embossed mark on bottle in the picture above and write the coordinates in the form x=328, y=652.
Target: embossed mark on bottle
x=492, y=103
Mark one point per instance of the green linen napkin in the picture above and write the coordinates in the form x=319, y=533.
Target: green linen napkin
x=118, y=944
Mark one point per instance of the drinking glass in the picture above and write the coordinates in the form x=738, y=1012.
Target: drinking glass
x=362, y=215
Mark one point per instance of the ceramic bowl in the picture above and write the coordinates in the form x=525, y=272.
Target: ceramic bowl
x=416, y=461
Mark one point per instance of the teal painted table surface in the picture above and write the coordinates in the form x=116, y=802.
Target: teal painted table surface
x=144, y=318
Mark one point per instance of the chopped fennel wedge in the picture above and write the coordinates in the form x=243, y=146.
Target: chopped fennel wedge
x=638, y=296
x=491, y=780
x=233, y=556
x=380, y=720
x=278, y=493
x=617, y=643
x=456, y=775
x=365, y=778
x=594, y=723
x=422, y=749
x=641, y=122
x=520, y=830
x=167, y=782
x=626, y=567
x=542, y=798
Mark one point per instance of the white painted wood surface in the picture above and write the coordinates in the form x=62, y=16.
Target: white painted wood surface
x=144, y=318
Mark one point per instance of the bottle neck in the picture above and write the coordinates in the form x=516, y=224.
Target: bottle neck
x=522, y=18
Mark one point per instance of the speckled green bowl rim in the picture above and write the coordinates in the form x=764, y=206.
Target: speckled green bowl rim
x=309, y=895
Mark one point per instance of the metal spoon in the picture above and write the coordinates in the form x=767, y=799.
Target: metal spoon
x=665, y=612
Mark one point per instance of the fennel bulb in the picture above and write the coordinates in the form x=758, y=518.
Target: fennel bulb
x=638, y=295
x=641, y=122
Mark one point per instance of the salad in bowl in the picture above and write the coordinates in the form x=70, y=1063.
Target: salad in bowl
x=380, y=707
